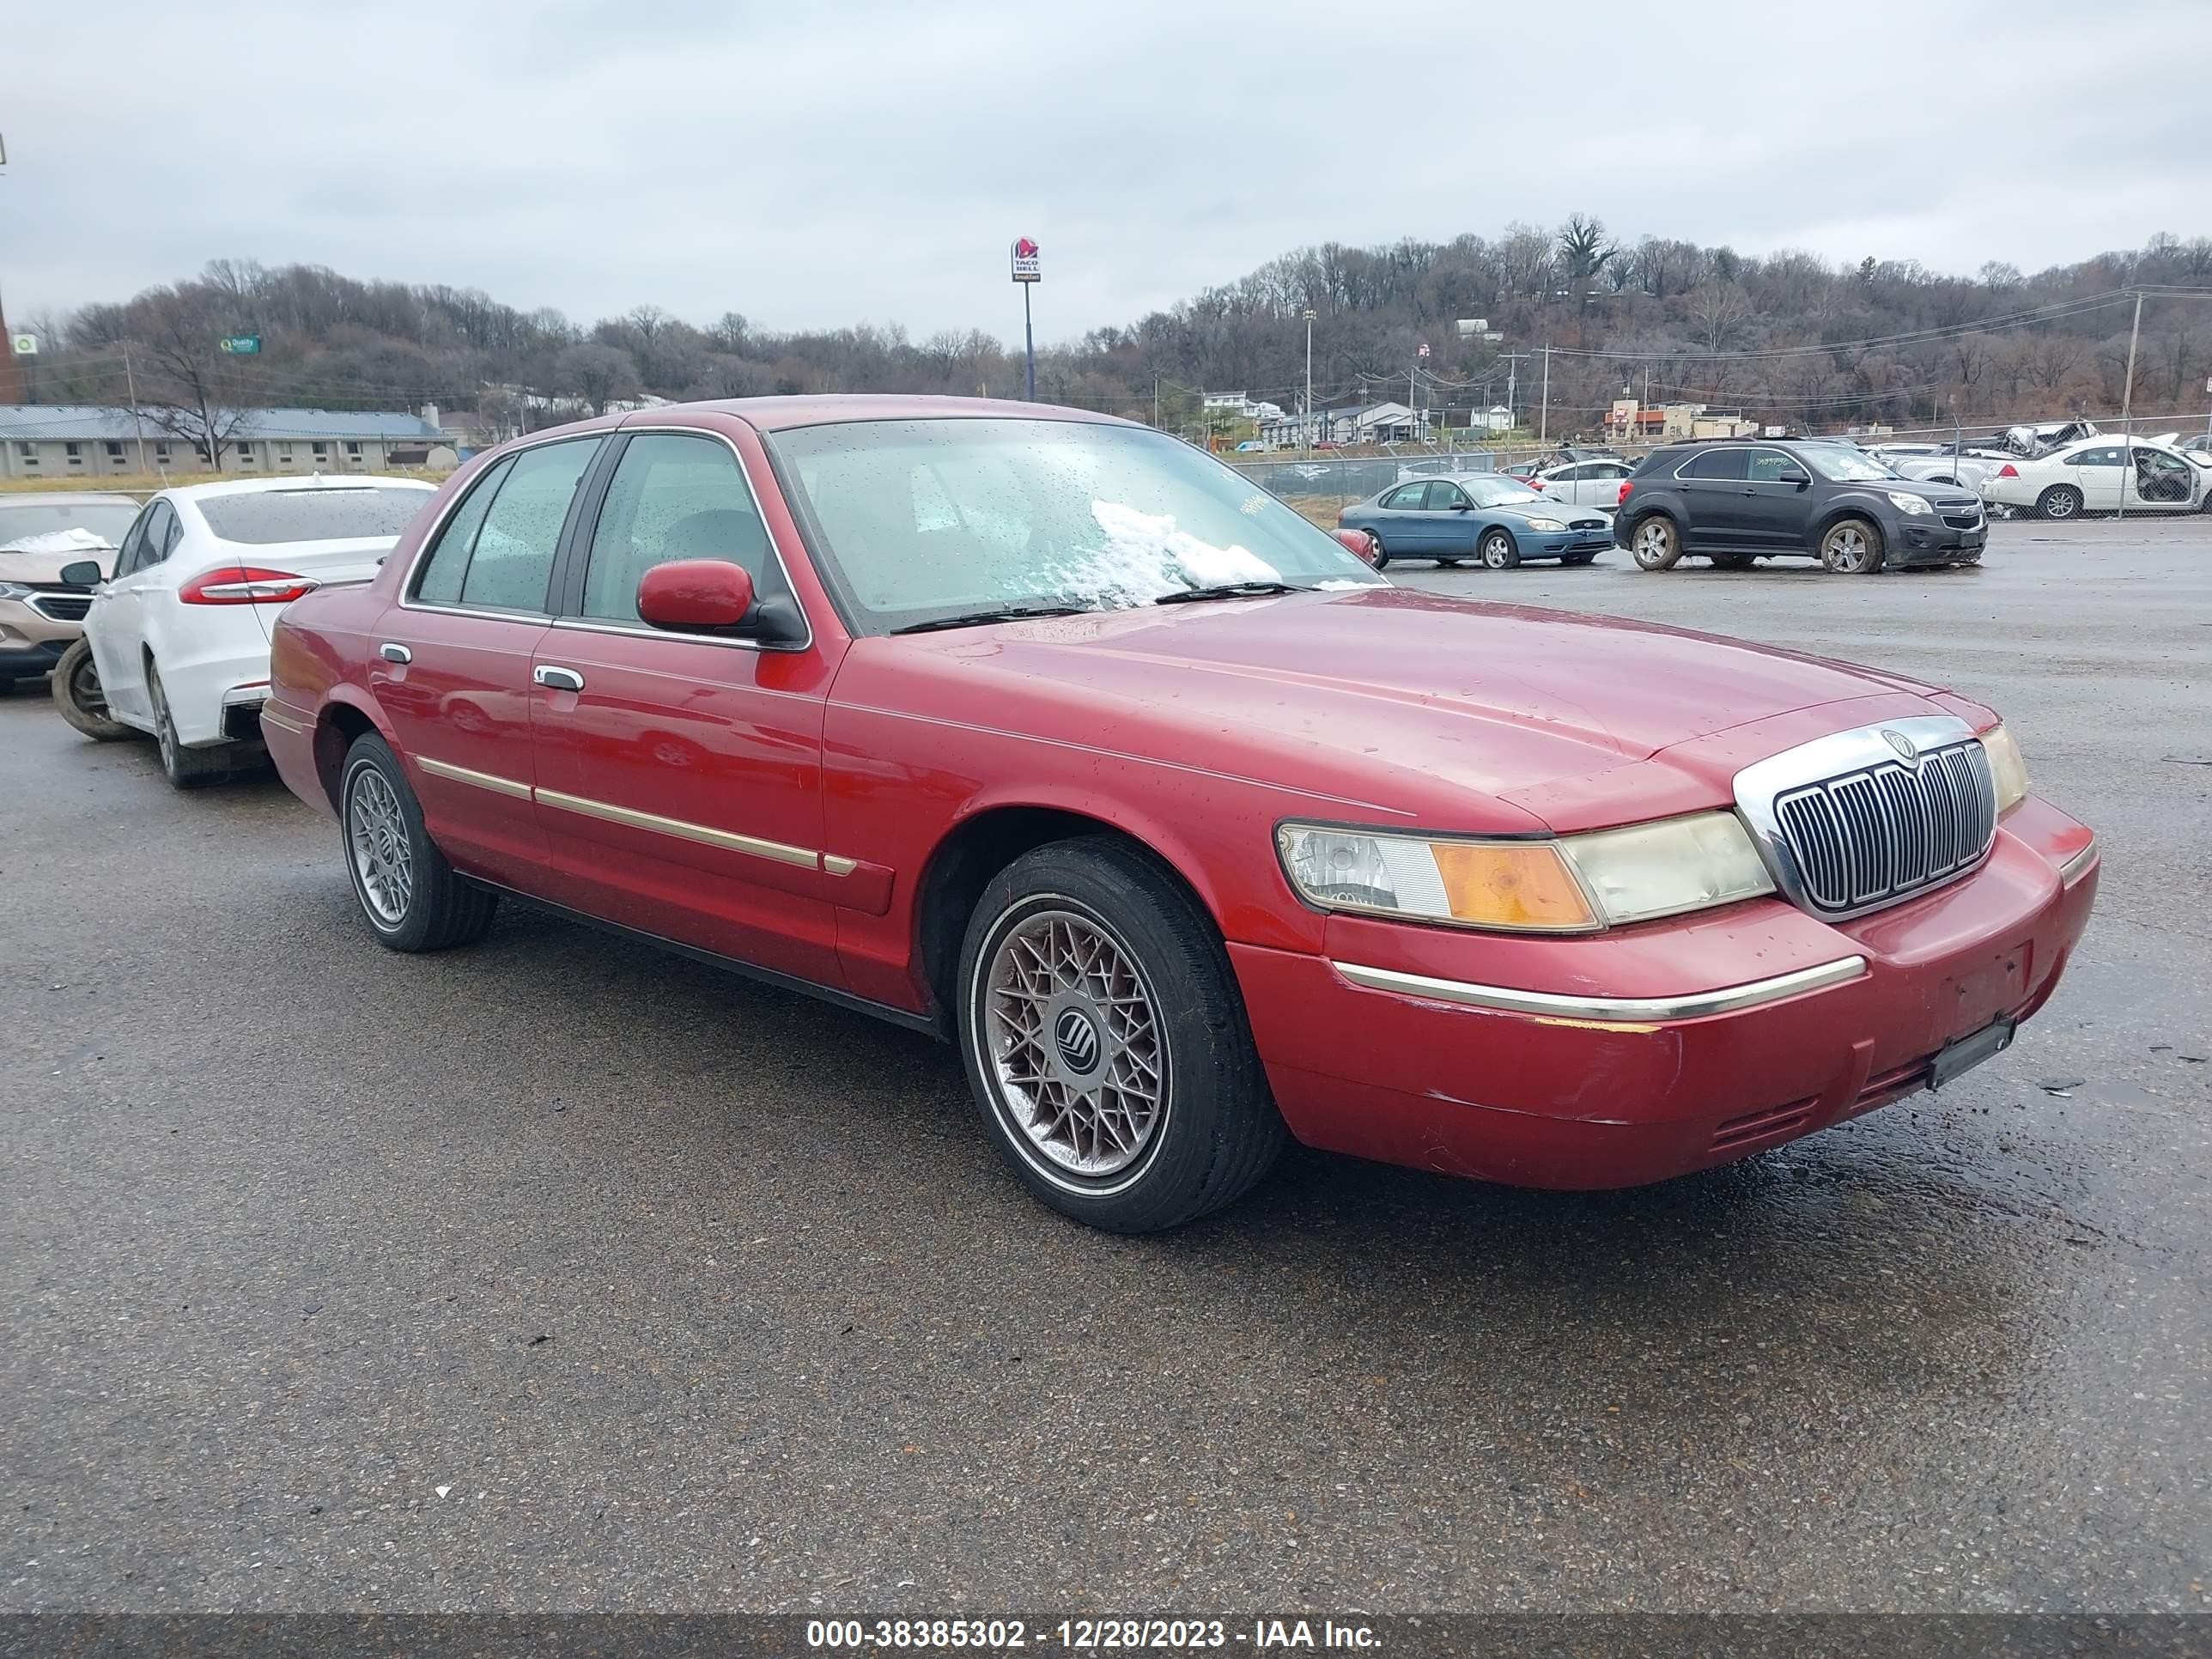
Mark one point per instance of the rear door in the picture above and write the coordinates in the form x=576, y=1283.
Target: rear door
x=450, y=662
x=679, y=775
x=1715, y=489
x=2095, y=473
x=1403, y=523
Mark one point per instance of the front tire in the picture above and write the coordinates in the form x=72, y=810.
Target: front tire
x=411, y=898
x=1853, y=547
x=1497, y=550
x=1105, y=1041
x=185, y=768
x=1654, y=543
x=77, y=694
x=2059, y=501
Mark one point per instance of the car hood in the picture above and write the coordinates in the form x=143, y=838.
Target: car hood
x=1393, y=698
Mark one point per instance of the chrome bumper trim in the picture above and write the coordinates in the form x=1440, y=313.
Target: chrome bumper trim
x=498, y=786
x=2074, y=867
x=1623, y=1010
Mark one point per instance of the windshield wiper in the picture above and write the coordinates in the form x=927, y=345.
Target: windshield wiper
x=1230, y=591
x=1005, y=613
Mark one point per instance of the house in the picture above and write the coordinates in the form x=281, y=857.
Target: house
x=1495, y=418
x=85, y=440
x=1367, y=423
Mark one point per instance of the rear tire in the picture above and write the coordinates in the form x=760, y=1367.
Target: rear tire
x=77, y=694
x=1853, y=547
x=411, y=898
x=1106, y=1041
x=1654, y=543
x=1382, y=553
x=2059, y=501
x=1497, y=550
x=185, y=768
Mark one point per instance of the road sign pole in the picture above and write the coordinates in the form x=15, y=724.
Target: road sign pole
x=1028, y=345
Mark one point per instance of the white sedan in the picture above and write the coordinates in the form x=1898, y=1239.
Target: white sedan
x=1584, y=484
x=180, y=634
x=2099, y=474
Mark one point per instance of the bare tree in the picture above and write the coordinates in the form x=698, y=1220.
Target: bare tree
x=597, y=374
x=1721, y=311
x=192, y=390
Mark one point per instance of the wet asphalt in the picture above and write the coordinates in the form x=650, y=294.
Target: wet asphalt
x=558, y=1273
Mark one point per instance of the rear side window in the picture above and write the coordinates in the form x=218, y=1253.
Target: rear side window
x=439, y=581
x=1443, y=497
x=266, y=517
x=1715, y=464
x=1406, y=498
x=513, y=562
x=676, y=496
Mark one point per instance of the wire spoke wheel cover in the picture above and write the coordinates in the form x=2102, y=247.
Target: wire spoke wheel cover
x=376, y=838
x=1071, y=1041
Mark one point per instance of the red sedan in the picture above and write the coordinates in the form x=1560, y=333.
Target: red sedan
x=1052, y=736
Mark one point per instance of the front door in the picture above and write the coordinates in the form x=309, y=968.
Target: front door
x=2158, y=481
x=450, y=662
x=679, y=775
x=1715, y=493
x=117, y=623
x=1777, y=502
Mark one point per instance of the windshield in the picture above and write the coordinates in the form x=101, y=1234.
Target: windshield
x=1498, y=492
x=931, y=518
x=320, y=515
x=107, y=521
x=1847, y=465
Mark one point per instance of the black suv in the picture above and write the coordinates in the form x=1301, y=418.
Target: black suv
x=1738, y=500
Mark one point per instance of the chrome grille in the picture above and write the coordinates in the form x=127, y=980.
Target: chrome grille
x=61, y=607
x=1883, y=832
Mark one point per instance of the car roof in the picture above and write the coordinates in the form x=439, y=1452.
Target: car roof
x=824, y=408
x=301, y=483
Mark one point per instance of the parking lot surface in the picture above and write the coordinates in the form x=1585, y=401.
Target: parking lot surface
x=559, y=1273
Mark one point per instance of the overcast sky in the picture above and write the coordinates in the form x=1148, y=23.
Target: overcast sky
x=818, y=165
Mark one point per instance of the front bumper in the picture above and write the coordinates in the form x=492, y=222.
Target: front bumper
x=20, y=659
x=1619, y=1074
x=30, y=643
x=1559, y=542
x=1929, y=539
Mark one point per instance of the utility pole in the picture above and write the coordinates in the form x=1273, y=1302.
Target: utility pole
x=1513, y=361
x=2127, y=407
x=1156, y=403
x=1544, y=427
x=137, y=420
x=1307, y=424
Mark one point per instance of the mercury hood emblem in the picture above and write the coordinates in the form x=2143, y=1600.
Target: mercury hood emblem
x=1900, y=743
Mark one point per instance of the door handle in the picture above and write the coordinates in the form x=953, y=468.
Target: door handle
x=558, y=678
x=395, y=653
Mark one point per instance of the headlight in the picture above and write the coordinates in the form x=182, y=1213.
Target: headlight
x=1546, y=524
x=1573, y=885
x=1910, y=504
x=2007, y=769
x=17, y=590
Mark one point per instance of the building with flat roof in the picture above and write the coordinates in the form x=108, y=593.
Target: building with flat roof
x=86, y=440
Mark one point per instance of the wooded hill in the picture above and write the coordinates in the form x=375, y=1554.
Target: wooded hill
x=1785, y=338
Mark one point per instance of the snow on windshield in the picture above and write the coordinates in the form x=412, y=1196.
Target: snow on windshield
x=1145, y=555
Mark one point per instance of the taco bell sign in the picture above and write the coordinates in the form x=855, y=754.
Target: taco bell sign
x=1026, y=269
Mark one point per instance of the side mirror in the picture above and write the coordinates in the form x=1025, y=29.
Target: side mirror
x=696, y=595
x=1360, y=543
x=83, y=573
x=1797, y=478
x=711, y=596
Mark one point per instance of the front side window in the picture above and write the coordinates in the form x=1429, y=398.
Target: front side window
x=438, y=580
x=264, y=517
x=1847, y=465
x=677, y=497
x=1073, y=514
x=514, y=558
x=1771, y=466
x=1444, y=497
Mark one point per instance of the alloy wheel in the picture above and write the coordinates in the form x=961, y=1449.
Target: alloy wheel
x=1847, y=550
x=1654, y=545
x=1072, y=1045
x=383, y=858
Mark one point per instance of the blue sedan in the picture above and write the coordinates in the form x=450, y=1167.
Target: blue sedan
x=1486, y=516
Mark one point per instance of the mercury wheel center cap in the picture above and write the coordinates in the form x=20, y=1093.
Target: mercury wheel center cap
x=1075, y=1034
